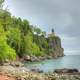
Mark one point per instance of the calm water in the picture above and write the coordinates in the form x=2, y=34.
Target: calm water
x=71, y=61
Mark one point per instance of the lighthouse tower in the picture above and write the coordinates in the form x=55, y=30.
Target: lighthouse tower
x=52, y=33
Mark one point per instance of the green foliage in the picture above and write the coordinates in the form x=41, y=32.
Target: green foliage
x=14, y=38
x=37, y=30
x=17, y=36
x=6, y=52
x=1, y=3
x=5, y=19
x=31, y=47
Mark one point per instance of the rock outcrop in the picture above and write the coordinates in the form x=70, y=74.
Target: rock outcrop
x=66, y=70
x=55, y=45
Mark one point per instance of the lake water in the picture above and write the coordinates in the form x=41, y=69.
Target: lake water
x=70, y=61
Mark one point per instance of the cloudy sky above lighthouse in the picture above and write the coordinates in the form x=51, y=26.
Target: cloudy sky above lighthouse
x=62, y=15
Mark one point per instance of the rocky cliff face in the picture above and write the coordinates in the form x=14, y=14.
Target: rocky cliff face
x=55, y=45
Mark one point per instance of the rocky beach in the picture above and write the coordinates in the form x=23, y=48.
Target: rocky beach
x=9, y=72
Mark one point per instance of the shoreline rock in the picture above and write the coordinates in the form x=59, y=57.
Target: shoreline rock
x=65, y=70
x=39, y=58
x=21, y=73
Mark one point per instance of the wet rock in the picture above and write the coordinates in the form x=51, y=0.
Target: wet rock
x=37, y=70
x=66, y=71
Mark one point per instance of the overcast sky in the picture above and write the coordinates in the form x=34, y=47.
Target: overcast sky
x=62, y=15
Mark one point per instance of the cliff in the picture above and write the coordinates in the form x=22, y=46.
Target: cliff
x=53, y=50
x=55, y=45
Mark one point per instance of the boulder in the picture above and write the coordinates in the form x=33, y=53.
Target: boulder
x=27, y=58
x=17, y=64
x=37, y=70
x=66, y=71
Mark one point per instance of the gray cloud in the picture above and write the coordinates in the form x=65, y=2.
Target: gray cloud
x=62, y=15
